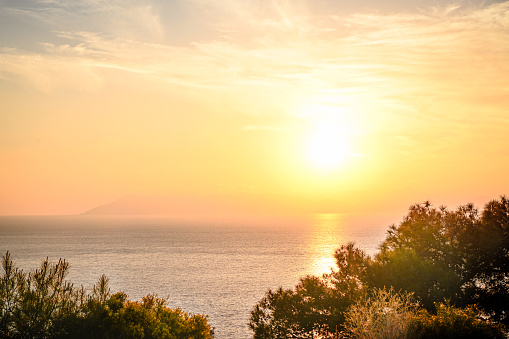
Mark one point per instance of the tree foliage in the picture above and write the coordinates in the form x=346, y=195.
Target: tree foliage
x=33, y=305
x=456, y=323
x=389, y=315
x=316, y=307
x=305, y=312
x=42, y=304
x=435, y=254
x=461, y=255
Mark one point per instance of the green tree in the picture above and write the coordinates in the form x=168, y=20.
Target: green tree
x=421, y=256
x=42, y=304
x=34, y=304
x=461, y=256
x=315, y=307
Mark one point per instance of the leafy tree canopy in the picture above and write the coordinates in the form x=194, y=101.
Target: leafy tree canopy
x=436, y=254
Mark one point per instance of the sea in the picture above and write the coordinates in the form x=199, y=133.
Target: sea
x=217, y=267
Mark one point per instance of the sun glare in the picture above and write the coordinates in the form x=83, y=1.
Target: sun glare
x=327, y=144
x=327, y=148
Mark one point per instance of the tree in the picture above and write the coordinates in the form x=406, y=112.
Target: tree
x=488, y=264
x=420, y=256
x=461, y=256
x=315, y=307
x=42, y=304
x=33, y=304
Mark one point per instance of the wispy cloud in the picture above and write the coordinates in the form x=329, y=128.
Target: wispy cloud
x=228, y=91
x=450, y=53
x=123, y=19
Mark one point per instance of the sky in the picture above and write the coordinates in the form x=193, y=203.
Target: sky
x=285, y=107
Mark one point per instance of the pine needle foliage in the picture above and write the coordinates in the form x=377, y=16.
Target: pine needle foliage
x=433, y=254
x=42, y=304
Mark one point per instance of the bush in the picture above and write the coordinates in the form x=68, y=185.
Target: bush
x=454, y=323
x=118, y=317
x=34, y=304
x=385, y=315
x=390, y=315
x=41, y=304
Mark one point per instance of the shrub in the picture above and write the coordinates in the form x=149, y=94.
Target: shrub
x=455, y=323
x=34, y=304
x=41, y=304
x=390, y=315
x=385, y=315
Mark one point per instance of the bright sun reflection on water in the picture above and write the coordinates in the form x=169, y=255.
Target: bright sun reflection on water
x=327, y=235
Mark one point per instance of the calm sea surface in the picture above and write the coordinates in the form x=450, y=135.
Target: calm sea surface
x=217, y=268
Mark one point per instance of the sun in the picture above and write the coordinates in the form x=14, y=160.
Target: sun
x=327, y=148
x=331, y=128
x=327, y=144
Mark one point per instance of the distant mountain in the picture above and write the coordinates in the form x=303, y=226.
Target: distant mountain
x=219, y=205
x=164, y=205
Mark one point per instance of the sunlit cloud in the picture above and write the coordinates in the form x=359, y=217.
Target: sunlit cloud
x=413, y=86
x=425, y=45
x=396, y=62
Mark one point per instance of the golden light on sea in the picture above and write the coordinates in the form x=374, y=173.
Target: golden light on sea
x=327, y=236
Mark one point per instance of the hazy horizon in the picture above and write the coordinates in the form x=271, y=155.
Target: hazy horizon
x=288, y=107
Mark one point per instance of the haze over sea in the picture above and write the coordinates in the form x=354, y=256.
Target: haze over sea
x=218, y=268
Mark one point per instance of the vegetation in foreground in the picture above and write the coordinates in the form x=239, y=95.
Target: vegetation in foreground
x=387, y=314
x=42, y=304
x=438, y=274
x=450, y=270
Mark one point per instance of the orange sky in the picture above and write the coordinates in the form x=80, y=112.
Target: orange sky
x=290, y=107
